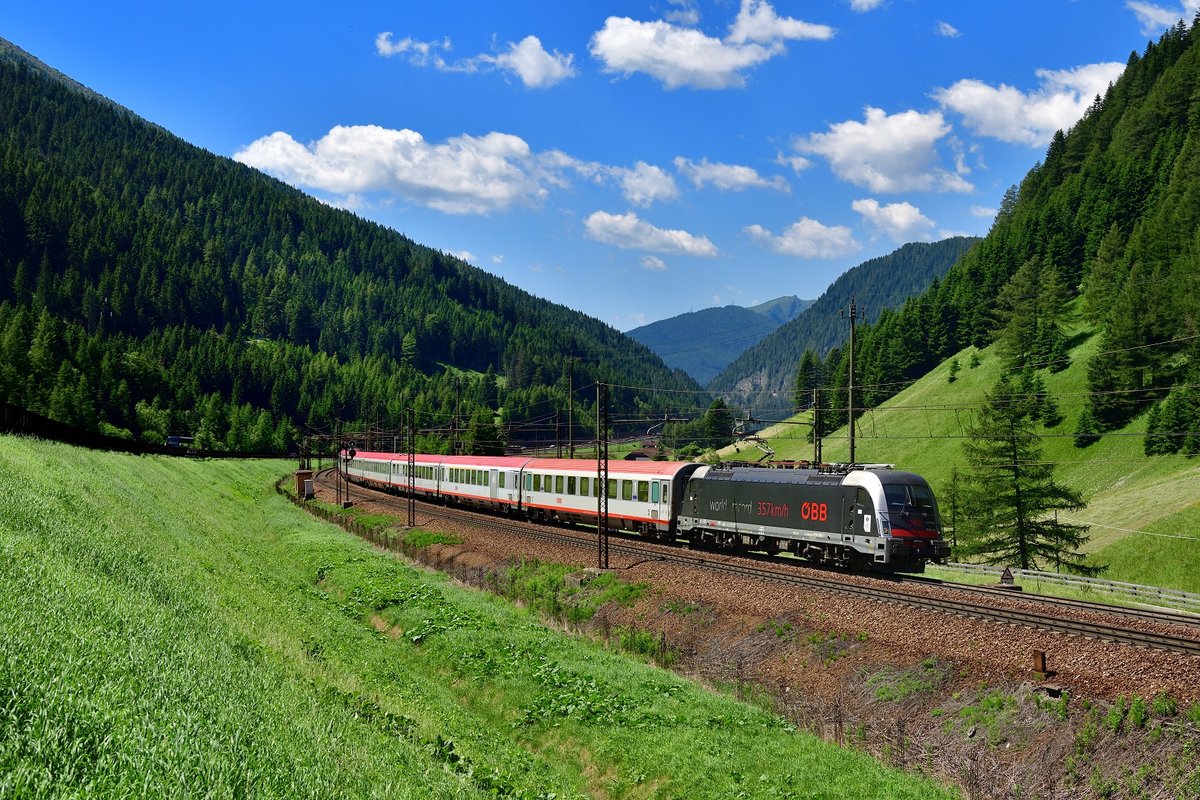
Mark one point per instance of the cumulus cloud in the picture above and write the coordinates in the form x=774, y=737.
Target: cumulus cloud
x=653, y=263
x=462, y=175
x=680, y=55
x=1155, y=18
x=944, y=28
x=727, y=177
x=808, y=238
x=903, y=222
x=641, y=184
x=865, y=5
x=644, y=184
x=895, y=153
x=631, y=233
x=1008, y=114
x=757, y=22
x=983, y=212
x=527, y=59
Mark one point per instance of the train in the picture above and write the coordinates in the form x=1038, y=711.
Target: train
x=861, y=517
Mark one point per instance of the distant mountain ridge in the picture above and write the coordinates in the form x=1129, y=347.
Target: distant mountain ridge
x=762, y=376
x=702, y=343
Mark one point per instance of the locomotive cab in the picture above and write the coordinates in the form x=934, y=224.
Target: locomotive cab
x=912, y=517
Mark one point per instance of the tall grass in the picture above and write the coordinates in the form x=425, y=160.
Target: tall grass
x=172, y=628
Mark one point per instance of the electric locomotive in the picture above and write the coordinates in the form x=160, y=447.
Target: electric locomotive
x=854, y=517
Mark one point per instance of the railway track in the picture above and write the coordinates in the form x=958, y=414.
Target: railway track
x=971, y=601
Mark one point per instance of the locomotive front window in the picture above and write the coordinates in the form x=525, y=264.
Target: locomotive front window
x=911, y=502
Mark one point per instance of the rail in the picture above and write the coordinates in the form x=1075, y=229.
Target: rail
x=1134, y=591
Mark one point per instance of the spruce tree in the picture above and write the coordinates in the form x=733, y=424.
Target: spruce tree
x=1015, y=499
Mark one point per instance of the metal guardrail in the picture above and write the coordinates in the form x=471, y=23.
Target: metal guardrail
x=1135, y=591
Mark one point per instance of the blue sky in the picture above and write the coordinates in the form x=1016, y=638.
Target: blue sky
x=632, y=160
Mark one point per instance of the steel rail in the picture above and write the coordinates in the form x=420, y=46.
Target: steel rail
x=878, y=592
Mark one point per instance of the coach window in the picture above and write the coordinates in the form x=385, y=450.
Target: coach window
x=528, y=482
x=537, y=483
x=571, y=485
x=558, y=484
x=585, y=486
x=643, y=491
x=501, y=479
x=612, y=488
x=626, y=490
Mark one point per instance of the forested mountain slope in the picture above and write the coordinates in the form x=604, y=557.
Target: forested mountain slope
x=152, y=287
x=1112, y=215
x=702, y=343
x=763, y=376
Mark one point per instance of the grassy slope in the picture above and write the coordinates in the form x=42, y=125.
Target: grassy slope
x=174, y=628
x=1139, y=507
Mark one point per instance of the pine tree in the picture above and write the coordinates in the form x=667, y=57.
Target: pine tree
x=808, y=377
x=1015, y=497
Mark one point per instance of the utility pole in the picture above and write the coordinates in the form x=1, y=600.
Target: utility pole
x=853, y=315
x=816, y=428
x=412, y=468
x=570, y=406
x=602, y=475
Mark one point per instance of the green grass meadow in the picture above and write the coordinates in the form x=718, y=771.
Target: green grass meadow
x=1144, y=511
x=174, y=628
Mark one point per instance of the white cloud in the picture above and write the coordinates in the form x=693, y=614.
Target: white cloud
x=463, y=175
x=629, y=232
x=653, y=263
x=498, y=259
x=526, y=59
x=884, y=153
x=685, y=12
x=865, y=5
x=797, y=163
x=983, y=212
x=1008, y=114
x=536, y=68
x=903, y=222
x=464, y=255
x=808, y=238
x=684, y=56
x=1155, y=18
x=645, y=184
x=419, y=53
x=944, y=28
x=757, y=22
x=727, y=177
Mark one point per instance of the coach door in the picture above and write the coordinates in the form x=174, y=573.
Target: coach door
x=493, y=484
